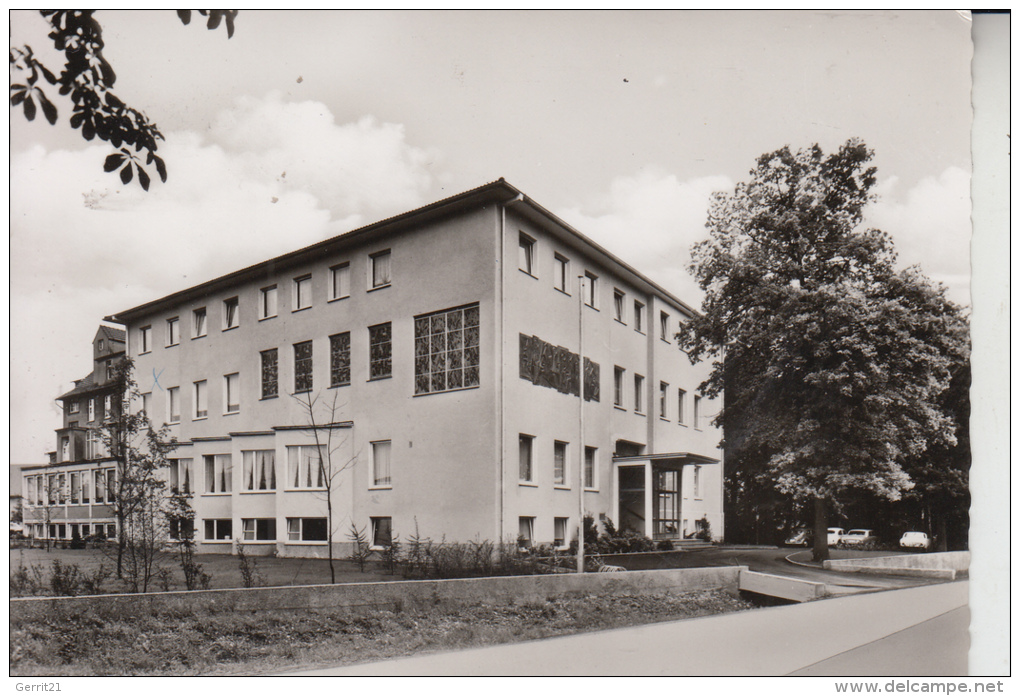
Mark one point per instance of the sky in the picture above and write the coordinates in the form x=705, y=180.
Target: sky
x=305, y=125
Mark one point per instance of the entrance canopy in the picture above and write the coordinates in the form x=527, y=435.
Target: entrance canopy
x=648, y=492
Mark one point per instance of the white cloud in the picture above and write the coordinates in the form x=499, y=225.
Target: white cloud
x=931, y=226
x=268, y=178
x=651, y=220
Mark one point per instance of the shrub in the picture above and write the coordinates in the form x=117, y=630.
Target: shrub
x=361, y=550
x=65, y=580
x=27, y=580
x=249, y=567
x=92, y=583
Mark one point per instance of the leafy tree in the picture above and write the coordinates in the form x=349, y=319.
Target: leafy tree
x=88, y=78
x=832, y=362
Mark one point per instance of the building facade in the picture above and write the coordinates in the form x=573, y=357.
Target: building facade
x=69, y=497
x=422, y=375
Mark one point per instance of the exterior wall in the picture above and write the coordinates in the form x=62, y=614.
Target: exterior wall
x=442, y=445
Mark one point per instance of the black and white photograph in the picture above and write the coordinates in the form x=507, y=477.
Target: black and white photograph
x=421, y=343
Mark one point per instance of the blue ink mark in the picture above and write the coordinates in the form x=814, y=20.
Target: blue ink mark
x=155, y=378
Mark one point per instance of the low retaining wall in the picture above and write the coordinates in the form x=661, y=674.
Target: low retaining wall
x=943, y=566
x=782, y=586
x=363, y=598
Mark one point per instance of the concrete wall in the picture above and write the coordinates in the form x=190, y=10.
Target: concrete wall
x=361, y=598
x=936, y=565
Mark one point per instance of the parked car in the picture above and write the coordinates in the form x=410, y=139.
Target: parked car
x=799, y=537
x=915, y=540
x=856, y=537
x=835, y=535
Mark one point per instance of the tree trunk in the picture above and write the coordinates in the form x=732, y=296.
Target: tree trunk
x=941, y=529
x=821, y=534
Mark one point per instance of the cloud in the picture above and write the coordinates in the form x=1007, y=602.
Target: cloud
x=931, y=226
x=269, y=177
x=650, y=220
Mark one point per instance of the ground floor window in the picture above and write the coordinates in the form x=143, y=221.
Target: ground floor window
x=219, y=530
x=182, y=529
x=307, y=529
x=526, y=532
x=382, y=531
x=560, y=531
x=263, y=529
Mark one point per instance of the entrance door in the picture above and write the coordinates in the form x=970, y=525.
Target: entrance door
x=666, y=523
x=632, y=499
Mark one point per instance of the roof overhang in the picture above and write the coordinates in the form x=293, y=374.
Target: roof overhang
x=666, y=458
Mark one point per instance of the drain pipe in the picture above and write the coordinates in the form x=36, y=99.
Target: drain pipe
x=500, y=417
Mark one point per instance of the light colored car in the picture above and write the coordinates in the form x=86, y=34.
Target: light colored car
x=915, y=540
x=799, y=537
x=835, y=535
x=858, y=536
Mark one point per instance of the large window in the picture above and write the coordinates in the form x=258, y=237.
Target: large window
x=302, y=367
x=198, y=323
x=307, y=529
x=201, y=399
x=303, y=292
x=259, y=470
x=231, y=316
x=270, y=373
x=380, y=351
x=219, y=473
x=382, y=532
x=268, y=301
x=559, y=463
x=380, y=269
x=340, y=359
x=340, y=281
x=446, y=350
x=232, y=393
x=173, y=331
x=590, y=458
x=259, y=529
x=526, y=254
x=304, y=467
x=181, y=475
x=526, y=464
x=381, y=463
x=561, y=267
x=219, y=530
x=173, y=404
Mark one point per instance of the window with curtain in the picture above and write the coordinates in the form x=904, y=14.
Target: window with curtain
x=381, y=273
x=259, y=470
x=304, y=467
x=381, y=463
x=219, y=473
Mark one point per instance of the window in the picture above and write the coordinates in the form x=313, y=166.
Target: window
x=526, y=531
x=697, y=482
x=231, y=318
x=100, y=486
x=102, y=344
x=181, y=475
x=697, y=412
x=526, y=469
x=526, y=254
x=173, y=331
x=30, y=489
x=94, y=448
x=446, y=352
x=62, y=490
x=382, y=532
x=639, y=315
x=340, y=359
x=664, y=326
x=198, y=321
x=302, y=367
x=381, y=463
x=307, y=529
x=107, y=407
x=219, y=530
x=268, y=300
x=73, y=407
x=75, y=488
x=380, y=351
x=618, y=386
x=590, y=454
x=259, y=529
x=173, y=404
x=270, y=373
x=663, y=392
x=560, y=532
x=51, y=489
x=147, y=403
x=559, y=463
x=380, y=267
x=219, y=473
x=145, y=339
x=232, y=393
x=304, y=466
x=92, y=410
x=181, y=529
x=639, y=386
x=591, y=297
x=65, y=449
x=681, y=407
x=259, y=470
x=340, y=281
x=302, y=292
x=618, y=299
x=201, y=399
x=562, y=270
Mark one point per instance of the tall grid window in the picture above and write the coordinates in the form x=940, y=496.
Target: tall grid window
x=268, y=301
x=559, y=463
x=340, y=359
x=231, y=316
x=219, y=473
x=270, y=373
x=380, y=351
x=381, y=463
x=303, y=292
x=340, y=281
x=259, y=470
x=302, y=367
x=381, y=269
x=446, y=350
x=304, y=467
